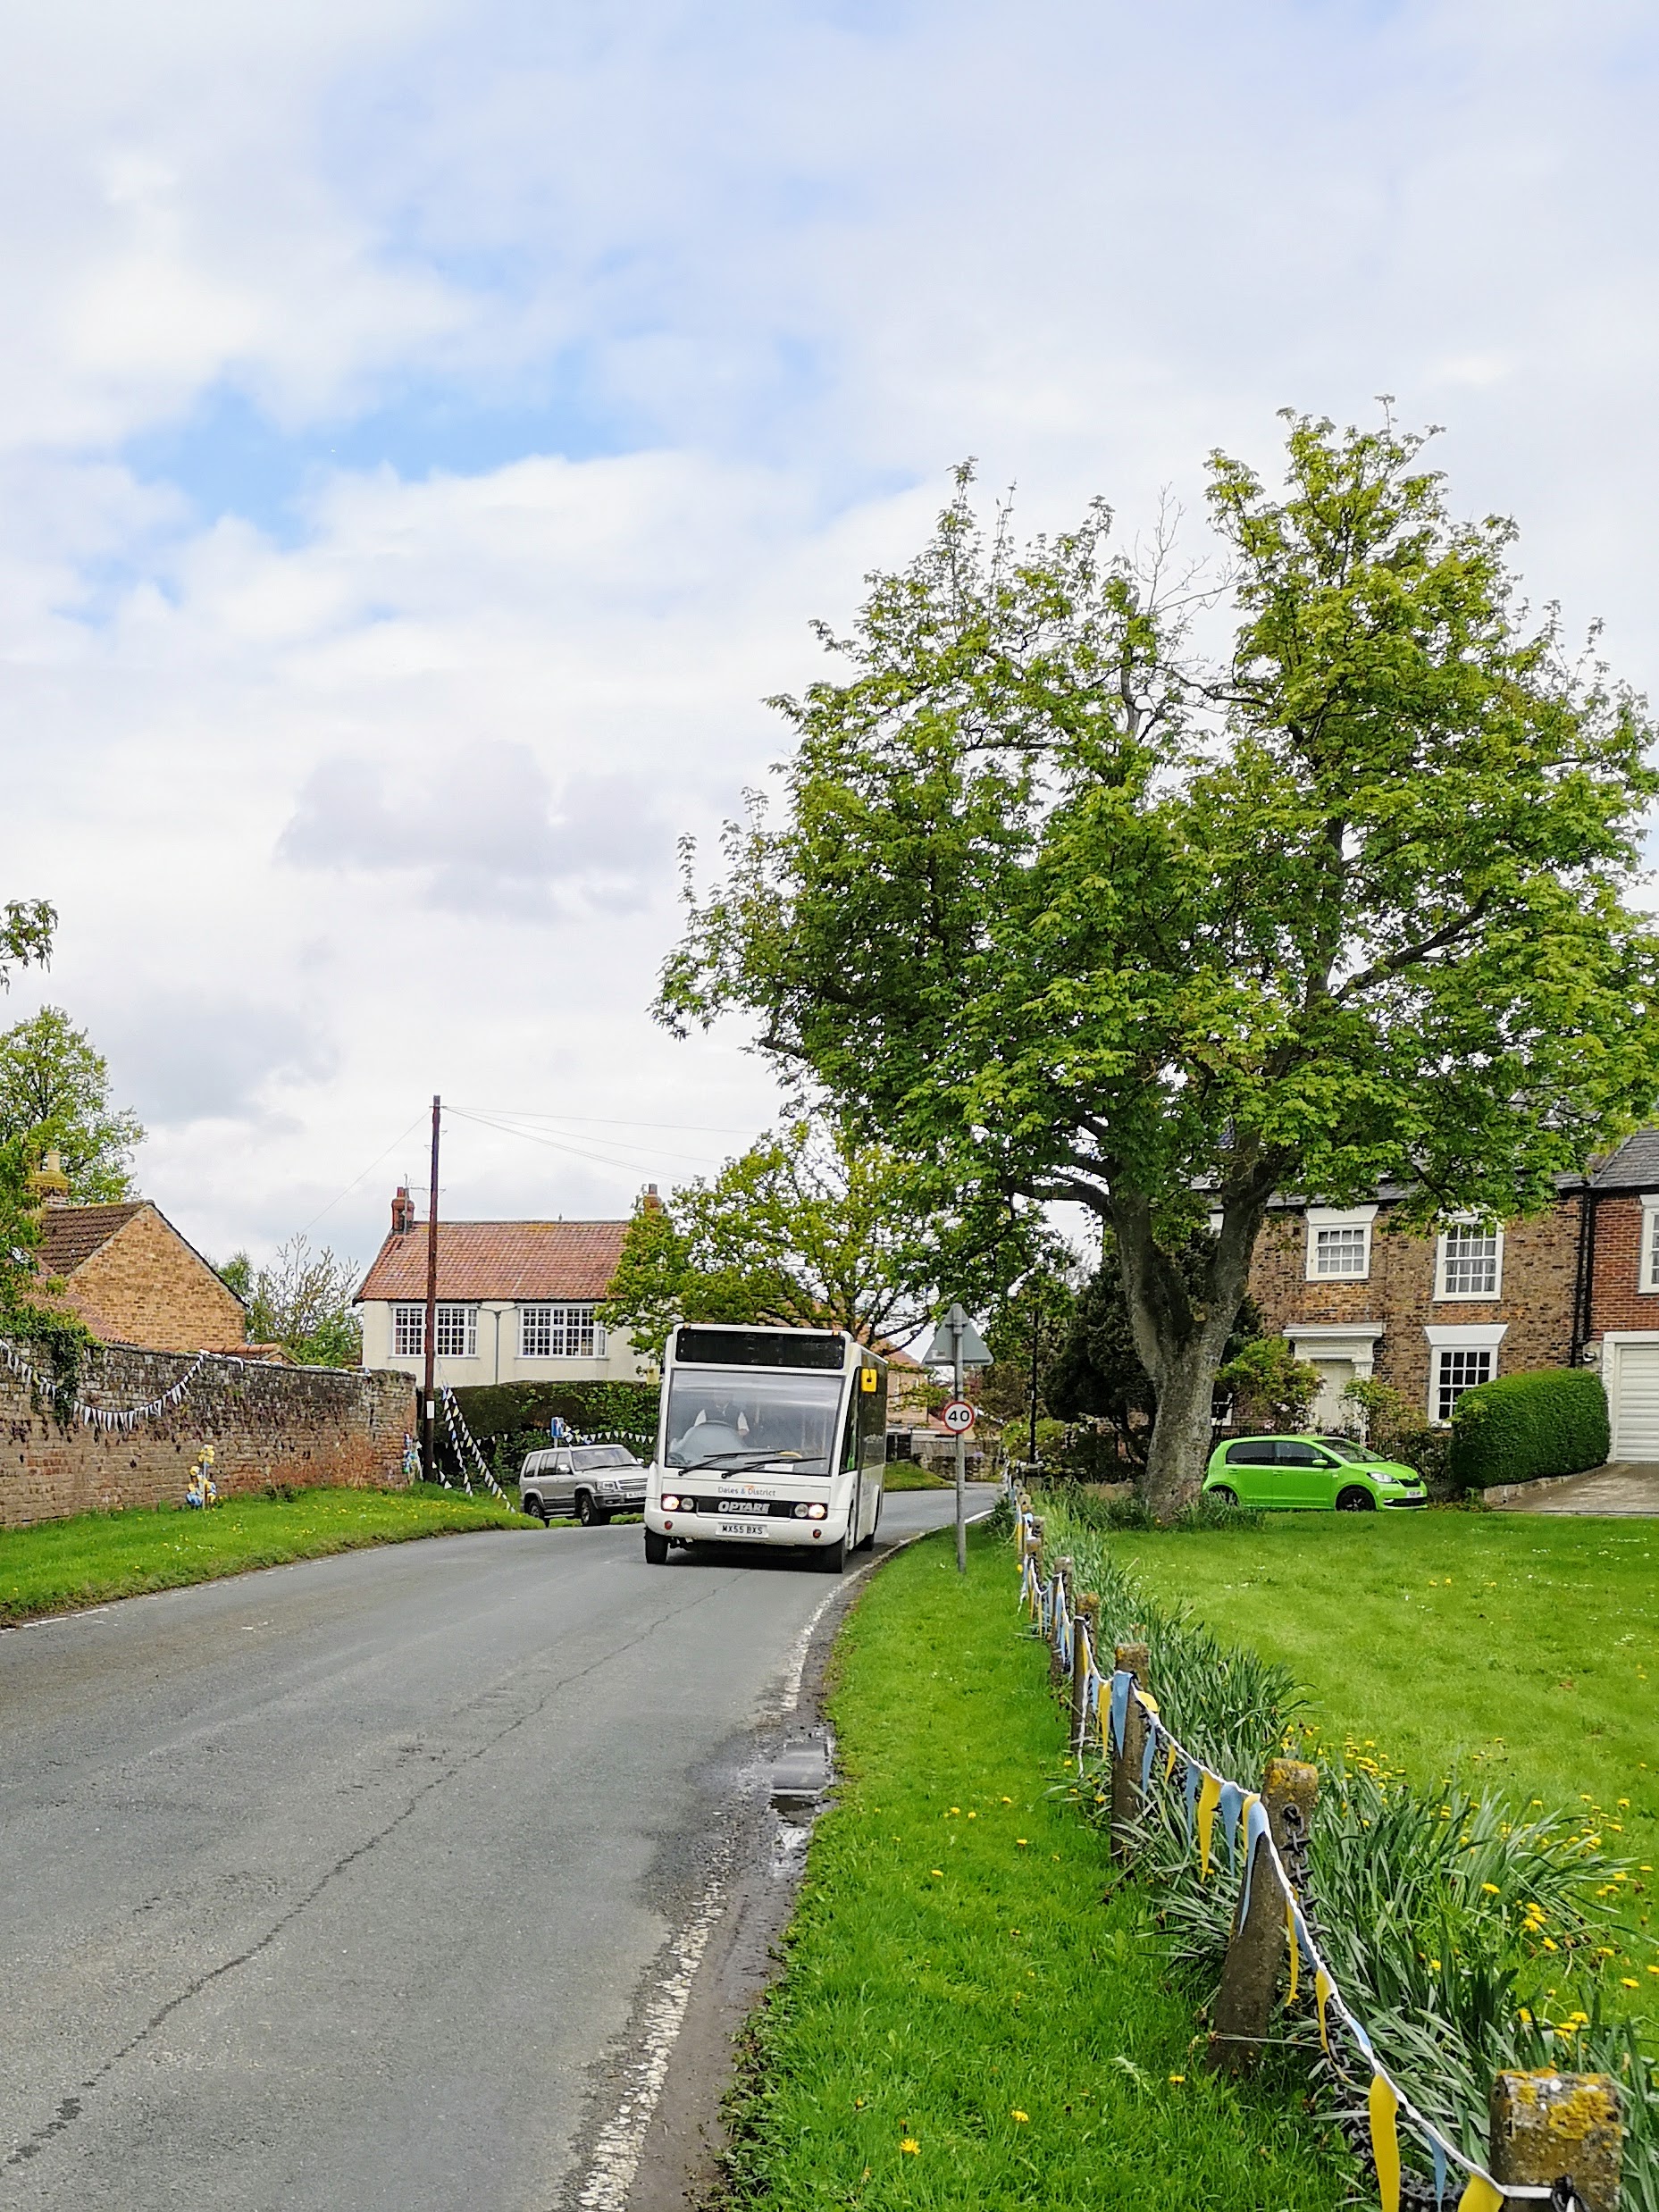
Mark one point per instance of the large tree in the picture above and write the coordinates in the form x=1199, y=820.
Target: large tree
x=55, y=1093
x=1075, y=908
x=807, y=1228
x=25, y=926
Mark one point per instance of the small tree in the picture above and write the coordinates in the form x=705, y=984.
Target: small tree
x=55, y=1092
x=302, y=1301
x=1070, y=909
x=808, y=1229
x=1272, y=1388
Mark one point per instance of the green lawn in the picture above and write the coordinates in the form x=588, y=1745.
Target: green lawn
x=963, y=2020
x=1517, y=1649
x=56, y=1566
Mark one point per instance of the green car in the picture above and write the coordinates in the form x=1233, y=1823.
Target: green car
x=1312, y=1474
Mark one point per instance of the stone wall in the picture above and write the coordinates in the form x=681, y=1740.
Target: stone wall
x=305, y=1426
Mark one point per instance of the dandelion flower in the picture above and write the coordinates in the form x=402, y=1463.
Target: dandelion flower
x=1019, y=2115
x=1629, y=1982
x=1021, y=1840
x=937, y=1873
x=1177, y=2077
x=910, y=2148
x=1491, y=1889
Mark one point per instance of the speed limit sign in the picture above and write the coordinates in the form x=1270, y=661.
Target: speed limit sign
x=958, y=1416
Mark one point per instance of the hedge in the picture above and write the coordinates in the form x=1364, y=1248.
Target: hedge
x=493, y=1410
x=1552, y=1422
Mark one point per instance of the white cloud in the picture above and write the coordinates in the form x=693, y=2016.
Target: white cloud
x=364, y=786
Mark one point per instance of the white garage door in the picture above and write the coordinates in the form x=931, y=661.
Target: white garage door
x=1635, y=1406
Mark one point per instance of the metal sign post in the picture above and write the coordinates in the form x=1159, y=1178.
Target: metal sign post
x=957, y=1339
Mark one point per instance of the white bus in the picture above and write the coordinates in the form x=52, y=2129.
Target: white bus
x=768, y=1436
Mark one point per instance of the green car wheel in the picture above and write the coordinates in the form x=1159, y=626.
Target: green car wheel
x=1223, y=1495
x=1355, y=1500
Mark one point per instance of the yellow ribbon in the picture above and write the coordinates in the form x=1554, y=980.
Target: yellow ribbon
x=1480, y=2195
x=1386, y=2141
x=1149, y=1703
x=1208, y=1797
x=1169, y=1759
x=1296, y=1956
x=1323, y=1986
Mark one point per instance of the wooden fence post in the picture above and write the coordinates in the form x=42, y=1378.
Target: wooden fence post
x=1243, y=2004
x=1548, y=2125
x=1062, y=1580
x=1088, y=1614
x=1126, y=1764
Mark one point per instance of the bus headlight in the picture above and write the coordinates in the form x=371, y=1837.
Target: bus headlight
x=669, y=1502
x=811, y=1512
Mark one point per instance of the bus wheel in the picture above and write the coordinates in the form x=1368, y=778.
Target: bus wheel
x=834, y=1558
x=655, y=1549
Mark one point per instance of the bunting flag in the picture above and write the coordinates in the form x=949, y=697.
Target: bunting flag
x=1322, y=1988
x=1230, y=1802
x=1173, y=1754
x=109, y=1417
x=1193, y=1773
x=1437, y=2152
x=1146, y=1759
x=1119, y=1709
x=1482, y=2195
x=1208, y=1797
x=1290, y=1995
x=1255, y=1828
x=1385, y=2112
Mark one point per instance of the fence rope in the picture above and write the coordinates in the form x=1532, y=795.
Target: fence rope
x=1206, y=1793
x=460, y=1435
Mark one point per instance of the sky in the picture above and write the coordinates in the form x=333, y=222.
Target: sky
x=428, y=431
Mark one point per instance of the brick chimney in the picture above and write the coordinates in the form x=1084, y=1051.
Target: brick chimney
x=648, y=1200
x=402, y=1212
x=49, y=1185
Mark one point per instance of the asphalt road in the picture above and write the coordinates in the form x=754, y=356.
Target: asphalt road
x=340, y=1886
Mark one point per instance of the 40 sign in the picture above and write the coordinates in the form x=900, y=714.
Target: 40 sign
x=958, y=1416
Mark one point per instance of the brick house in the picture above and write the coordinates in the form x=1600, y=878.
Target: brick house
x=515, y=1300
x=1434, y=1314
x=130, y=1276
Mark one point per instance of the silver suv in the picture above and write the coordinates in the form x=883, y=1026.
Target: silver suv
x=590, y=1481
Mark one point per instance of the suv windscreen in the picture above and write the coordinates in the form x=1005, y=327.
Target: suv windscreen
x=741, y=1416
x=593, y=1455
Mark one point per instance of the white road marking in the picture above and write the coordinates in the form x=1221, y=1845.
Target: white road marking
x=57, y=1619
x=616, y=2153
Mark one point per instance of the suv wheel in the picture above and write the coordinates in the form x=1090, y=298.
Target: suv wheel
x=588, y=1513
x=1356, y=1501
x=533, y=1505
x=655, y=1549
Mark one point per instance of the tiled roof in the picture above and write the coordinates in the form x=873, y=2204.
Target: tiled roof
x=71, y=1234
x=1634, y=1167
x=504, y=1260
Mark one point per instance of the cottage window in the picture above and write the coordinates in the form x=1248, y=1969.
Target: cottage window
x=560, y=1332
x=408, y=1330
x=1339, y=1244
x=1647, y=1274
x=1470, y=1260
x=1457, y=1370
x=455, y=1336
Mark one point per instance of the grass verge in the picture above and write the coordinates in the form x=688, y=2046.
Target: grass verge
x=58, y=1566
x=963, y=2018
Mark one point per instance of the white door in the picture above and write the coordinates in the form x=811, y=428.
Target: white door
x=1635, y=1401
x=1330, y=1411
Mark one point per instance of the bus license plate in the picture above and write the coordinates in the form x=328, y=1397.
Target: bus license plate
x=743, y=1528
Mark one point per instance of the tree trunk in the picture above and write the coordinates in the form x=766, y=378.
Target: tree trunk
x=1180, y=1446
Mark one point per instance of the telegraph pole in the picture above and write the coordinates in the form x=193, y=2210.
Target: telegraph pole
x=429, y=1410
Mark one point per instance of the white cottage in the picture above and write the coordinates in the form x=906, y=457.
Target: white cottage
x=515, y=1300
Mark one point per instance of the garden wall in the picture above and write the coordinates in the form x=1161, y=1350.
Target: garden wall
x=305, y=1426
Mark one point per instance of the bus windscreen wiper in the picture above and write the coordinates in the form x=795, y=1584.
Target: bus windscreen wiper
x=754, y=1459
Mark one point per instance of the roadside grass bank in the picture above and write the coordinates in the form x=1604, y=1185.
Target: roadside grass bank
x=1469, y=1930
x=59, y=1566
x=1507, y=1650
x=964, y=2019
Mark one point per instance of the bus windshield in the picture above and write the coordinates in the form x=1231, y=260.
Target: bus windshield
x=735, y=1418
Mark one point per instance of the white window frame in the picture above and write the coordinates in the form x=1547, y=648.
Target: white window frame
x=1461, y=1222
x=567, y=1320
x=1468, y=1337
x=408, y=1330
x=1359, y=1217
x=1648, y=1261
x=448, y=1309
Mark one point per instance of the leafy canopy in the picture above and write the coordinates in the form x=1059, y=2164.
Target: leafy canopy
x=302, y=1301
x=807, y=1228
x=1068, y=906
x=55, y=1092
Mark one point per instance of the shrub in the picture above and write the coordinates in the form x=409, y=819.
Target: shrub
x=493, y=1410
x=1271, y=1387
x=1552, y=1422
